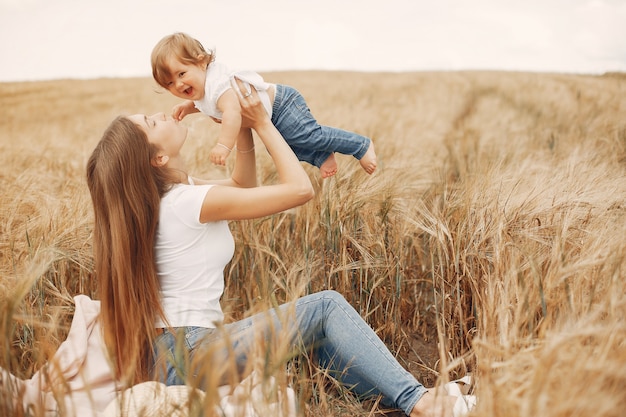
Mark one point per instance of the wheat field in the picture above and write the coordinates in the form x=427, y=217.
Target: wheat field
x=491, y=239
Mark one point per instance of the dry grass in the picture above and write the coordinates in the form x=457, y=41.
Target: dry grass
x=490, y=240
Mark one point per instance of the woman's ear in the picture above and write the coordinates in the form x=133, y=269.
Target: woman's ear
x=159, y=160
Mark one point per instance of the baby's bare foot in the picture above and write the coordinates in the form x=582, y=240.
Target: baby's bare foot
x=329, y=166
x=368, y=161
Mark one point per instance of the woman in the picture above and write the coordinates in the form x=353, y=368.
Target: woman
x=161, y=242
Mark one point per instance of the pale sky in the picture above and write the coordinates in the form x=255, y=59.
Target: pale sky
x=52, y=39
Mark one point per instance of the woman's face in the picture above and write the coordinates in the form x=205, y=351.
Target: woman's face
x=163, y=131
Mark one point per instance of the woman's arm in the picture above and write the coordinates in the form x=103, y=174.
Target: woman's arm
x=244, y=172
x=293, y=188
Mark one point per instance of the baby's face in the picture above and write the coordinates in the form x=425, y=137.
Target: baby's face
x=186, y=80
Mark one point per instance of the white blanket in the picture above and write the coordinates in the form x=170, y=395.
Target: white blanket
x=79, y=382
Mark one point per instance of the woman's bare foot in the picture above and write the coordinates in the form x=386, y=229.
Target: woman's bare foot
x=368, y=161
x=434, y=404
x=329, y=166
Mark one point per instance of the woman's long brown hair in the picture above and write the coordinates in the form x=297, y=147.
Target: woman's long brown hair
x=126, y=190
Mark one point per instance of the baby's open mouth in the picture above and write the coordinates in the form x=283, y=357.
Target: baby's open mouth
x=188, y=91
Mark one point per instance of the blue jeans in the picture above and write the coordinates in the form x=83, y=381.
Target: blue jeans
x=324, y=322
x=310, y=141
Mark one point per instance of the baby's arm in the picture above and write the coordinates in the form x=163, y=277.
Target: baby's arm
x=228, y=103
x=181, y=110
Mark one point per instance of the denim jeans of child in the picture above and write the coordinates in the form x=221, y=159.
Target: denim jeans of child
x=323, y=322
x=310, y=141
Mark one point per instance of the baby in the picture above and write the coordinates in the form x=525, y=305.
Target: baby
x=181, y=65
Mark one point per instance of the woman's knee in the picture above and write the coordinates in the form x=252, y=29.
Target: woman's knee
x=334, y=297
x=332, y=294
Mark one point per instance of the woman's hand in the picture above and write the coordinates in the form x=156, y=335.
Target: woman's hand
x=252, y=110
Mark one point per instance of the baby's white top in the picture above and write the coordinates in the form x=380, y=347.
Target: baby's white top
x=218, y=80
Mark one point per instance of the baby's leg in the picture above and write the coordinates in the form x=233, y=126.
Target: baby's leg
x=310, y=141
x=368, y=161
x=329, y=166
x=333, y=139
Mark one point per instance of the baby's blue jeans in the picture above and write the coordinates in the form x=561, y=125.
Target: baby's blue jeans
x=310, y=141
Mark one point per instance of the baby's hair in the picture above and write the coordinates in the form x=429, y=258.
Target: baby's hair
x=182, y=46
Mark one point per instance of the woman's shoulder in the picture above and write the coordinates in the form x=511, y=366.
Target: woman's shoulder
x=185, y=195
x=181, y=190
x=184, y=201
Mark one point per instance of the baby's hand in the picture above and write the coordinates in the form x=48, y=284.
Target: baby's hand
x=178, y=112
x=181, y=110
x=219, y=153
